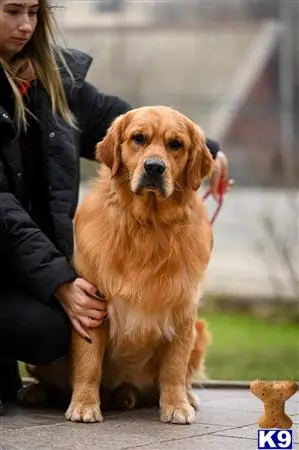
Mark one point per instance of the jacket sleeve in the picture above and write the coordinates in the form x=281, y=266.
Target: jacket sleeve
x=95, y=112
x=213, y=146
x=35, y=262
x=3, y=232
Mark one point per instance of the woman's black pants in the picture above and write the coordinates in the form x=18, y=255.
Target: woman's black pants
x=31, y=330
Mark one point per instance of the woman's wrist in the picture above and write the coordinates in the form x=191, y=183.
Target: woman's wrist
x=62, y=291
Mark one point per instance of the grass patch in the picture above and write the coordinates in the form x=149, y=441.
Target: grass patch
x=22, y=369
x=246, y=347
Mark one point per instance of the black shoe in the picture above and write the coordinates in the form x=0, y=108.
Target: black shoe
x=10, y=381
x=1, y=408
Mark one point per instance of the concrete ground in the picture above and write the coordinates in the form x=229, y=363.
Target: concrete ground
x=227, y=420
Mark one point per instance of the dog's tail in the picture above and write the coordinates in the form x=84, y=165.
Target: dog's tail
x=197, y=358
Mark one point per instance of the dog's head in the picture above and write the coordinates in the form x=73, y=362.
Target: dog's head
x=156, y=149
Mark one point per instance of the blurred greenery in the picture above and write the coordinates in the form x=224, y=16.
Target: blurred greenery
x=23, y=370
x=246, y=347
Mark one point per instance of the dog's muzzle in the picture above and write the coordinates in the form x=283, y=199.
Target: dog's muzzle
x=153, y=176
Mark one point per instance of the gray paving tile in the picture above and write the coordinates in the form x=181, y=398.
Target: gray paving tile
x=227, y=419
x=4, y=445
x=229, y=399
x=207, y=395
x=231, y=418
x=246, y=403
x=250, y=432
x=115, y=433
x=8, y=446
x=210, y=415
x=16, y=418
x=210, y=442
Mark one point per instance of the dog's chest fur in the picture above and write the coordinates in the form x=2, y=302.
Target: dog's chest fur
x=145, y=296
x=131, y=323
x=146, y=274
x=144, y=293
x=152, y=270
x=135, y=343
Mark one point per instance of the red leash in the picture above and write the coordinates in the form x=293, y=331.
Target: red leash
x=222, y=189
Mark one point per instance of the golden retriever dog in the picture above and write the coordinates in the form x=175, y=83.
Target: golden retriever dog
x=143, y=237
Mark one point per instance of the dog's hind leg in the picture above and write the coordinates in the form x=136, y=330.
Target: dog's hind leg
x=50, y=387
x=197, y=360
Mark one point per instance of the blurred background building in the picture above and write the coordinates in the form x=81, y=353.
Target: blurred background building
x=233, y=67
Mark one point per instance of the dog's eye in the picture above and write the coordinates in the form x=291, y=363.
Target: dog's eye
x=139, y=139
x=175, y=144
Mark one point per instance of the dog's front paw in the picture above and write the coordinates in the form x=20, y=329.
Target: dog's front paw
x=183, y=414
x=81, y=412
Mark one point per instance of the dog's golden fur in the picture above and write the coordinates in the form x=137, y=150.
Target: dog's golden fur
x=146, y=248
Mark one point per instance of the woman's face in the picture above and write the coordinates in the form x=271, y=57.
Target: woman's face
x=18, y=20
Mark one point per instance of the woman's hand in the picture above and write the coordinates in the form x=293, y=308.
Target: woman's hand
x=220, y=176
x=83, y=306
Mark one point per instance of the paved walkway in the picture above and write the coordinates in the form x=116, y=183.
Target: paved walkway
x=227, y=420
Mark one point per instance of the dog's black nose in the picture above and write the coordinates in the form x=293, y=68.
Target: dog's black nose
x=154, y=167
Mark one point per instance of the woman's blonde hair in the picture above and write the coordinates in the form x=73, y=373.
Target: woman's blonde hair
x=39, y=57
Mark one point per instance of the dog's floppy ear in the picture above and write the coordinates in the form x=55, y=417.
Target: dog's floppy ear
x=200, y=161
x=108, y=151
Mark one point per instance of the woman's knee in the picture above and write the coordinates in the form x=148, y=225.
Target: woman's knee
x=48, y=337
x=30, y=330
